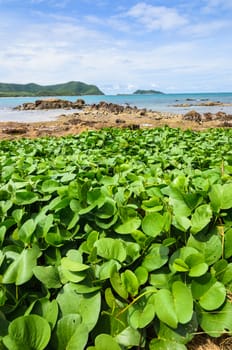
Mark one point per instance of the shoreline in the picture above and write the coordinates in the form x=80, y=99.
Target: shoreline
x=108, y=115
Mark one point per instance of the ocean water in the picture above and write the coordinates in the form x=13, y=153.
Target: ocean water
x=155, y=102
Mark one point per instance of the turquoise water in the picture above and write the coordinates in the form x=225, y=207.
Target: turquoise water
x=159, y=102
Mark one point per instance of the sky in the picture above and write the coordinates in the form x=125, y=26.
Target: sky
x=120, y=46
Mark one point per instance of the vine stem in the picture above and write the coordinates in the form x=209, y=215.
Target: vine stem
x=16, y=293
x=134, y=301
x=222, y=234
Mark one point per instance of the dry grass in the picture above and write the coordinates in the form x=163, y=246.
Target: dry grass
x=204, y=342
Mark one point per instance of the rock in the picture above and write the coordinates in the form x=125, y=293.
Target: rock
x=208, y=116
x=211, y=103
x=182, y=105
x=51, y=103
x=133, y=126
x=193, y=116
x=143, y=112
x=119, y=121
x=109, y=107
x=221, y=114
x=79, y=103
x=16, y=130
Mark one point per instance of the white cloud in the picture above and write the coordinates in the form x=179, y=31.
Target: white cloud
x=213, y=4
x=156, y=17
x=207, y=29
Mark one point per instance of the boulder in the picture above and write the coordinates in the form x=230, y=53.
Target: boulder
x=15, y=130
x=193, y=116
x=79, y=103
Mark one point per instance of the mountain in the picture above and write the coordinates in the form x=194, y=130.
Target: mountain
x=72, y=88
x=146, y=92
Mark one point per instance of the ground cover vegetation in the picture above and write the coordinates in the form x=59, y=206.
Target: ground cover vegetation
x=115, y=239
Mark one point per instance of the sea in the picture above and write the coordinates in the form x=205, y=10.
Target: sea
x=156, y=102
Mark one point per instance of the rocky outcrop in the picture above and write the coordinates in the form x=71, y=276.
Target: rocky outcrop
x=202, y=104
x=51, y=103
x=15, y=130
x=193, y=116
x=109, y=107
x=206, y=117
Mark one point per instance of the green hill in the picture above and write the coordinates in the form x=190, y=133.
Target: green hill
x=72, y=88
x=146, y=92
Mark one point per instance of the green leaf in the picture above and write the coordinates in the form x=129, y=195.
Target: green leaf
x=45, y=222
x=26, y=230
x=183, y=334
x=198, y=270
x=70, y=334
x=182, y=223
x=132, y=251
x=177, y=201
x=86, y=305
x=72, y=265
x=228, y=245
x=156, y=257
x=226, y=196
x=46, y=309
x=210, y=246
x=25, y=197
x=50, y=186
x=215, y=196
x=165, y=344
x=130, y=282
x=67, y=177
x=28, y=332
x=129, y=226
x=105, y=269
x=106, y=342
x=214, y=297
x=153, y=224
x=183, y=301
x=21, y=269
x=129, y=337
x=160, y=280
x=2, y=234
x=141, y=274
x=221, y=196
x=85, y=288
x=110, y=248
x=218, y=322
x=117, y=284
x=48, y=275
x=180, y=265
x=210, y=293
x=17, y=214
x=107, y=210
x=70, y=276
x=200, y=218
x=165, y=308
x=141, y=314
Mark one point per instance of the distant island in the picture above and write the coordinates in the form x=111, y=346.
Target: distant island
x=72, y=88
x=146, y=92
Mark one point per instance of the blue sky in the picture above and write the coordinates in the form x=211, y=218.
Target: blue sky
x=168, y=45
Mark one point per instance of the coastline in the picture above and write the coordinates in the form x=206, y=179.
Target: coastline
x=103, y=115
